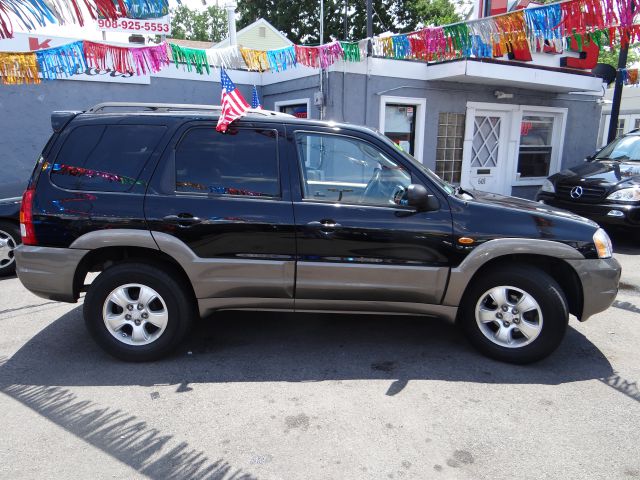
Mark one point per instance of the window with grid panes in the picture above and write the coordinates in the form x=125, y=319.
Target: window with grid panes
x=449, y=146
x=620, y=129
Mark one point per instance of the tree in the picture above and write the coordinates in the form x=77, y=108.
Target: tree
x=208, y=25
x=610, y=55
x=299, y=21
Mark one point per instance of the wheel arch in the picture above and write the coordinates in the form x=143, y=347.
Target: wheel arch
x=100, y=259
x=544, y=255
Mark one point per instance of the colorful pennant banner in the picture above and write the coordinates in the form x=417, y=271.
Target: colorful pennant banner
x=555, y=26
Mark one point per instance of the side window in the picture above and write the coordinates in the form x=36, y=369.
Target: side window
x=241, y=162
x=348, y=170
x=106, y=158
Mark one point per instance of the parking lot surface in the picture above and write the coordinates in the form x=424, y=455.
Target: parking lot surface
x=254, y=395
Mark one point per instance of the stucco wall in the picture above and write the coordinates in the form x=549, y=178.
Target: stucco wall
x=25, y=113
x=355, y=98
x=25, y=110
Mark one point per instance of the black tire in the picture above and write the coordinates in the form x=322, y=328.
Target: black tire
x=179, y=306
x=9, y=235
x=537, y=284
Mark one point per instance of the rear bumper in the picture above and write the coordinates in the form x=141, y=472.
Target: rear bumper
x=49, y=272
x=601, y=213
x=599, y=280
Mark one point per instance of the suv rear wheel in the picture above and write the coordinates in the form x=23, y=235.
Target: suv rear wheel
x=9, y=240
x=515, y=314
x=137, y=312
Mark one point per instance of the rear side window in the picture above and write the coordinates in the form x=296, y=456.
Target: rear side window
x=241, y=162
x=105, y=158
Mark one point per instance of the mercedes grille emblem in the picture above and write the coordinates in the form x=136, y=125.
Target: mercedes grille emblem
x=576, y=192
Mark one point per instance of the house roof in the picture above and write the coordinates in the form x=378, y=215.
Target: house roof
x=248, y=37
x=190, y=43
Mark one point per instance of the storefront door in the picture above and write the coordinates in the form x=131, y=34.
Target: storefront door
x=485, y=150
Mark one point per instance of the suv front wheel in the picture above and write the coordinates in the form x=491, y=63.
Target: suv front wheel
x=137, y=312
x=515, y=314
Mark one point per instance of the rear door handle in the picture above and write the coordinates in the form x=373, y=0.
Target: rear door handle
x=183, y=219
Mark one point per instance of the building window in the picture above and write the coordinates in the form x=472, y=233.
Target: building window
x=262, y=32
x=297, y=110
x=400, y=125
x=620, y=129
x=636, y=123
x=536, y=146
x=449, y=146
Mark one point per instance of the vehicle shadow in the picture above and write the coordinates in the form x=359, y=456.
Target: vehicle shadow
x=264, y=347
x=258, y=347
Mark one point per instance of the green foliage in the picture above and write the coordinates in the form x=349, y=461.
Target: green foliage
x=208, y=25
x=299, y=20
x=610, y=55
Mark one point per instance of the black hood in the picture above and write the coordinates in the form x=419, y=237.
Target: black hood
x=529, y=206
x=605, y=173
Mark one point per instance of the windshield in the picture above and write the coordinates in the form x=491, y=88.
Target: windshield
x=623, y=148
x=446, y=186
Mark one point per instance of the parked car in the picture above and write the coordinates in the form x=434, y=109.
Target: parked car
x=282, y=213
x=606, y=188
x=9, y=234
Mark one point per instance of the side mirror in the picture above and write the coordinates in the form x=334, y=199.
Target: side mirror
x=419, y=198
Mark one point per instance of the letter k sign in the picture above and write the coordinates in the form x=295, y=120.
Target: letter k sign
x=34, y=44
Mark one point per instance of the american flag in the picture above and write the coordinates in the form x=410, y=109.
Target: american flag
x=233, y=103
x=255, y=100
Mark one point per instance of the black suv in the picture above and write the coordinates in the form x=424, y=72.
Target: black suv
x=281, y=213
x=606, y=188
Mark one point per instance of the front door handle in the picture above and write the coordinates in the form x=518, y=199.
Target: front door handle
x=182, y=219
x=325, y=224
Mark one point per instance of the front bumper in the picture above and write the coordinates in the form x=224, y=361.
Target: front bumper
x=601, y=213
x=599, y=280
x=49, y=272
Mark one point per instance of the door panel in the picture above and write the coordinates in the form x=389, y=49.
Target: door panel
x=224, y=207
x=365, y=248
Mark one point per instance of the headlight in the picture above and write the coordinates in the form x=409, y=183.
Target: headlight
x=603, y=244
x=631, y=194
x=547, y=186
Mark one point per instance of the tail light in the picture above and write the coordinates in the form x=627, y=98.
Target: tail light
x=26, y=218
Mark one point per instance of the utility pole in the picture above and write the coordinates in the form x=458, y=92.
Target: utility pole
x=346, y=20
x=619, y=85
x=369, y=25
x=369, y=19
x=321, y=69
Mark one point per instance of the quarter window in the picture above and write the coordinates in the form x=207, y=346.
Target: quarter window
x=241, y=162
x=105, y=158
x=347, y=170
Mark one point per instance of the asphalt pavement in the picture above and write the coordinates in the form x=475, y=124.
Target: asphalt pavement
x=255, y=395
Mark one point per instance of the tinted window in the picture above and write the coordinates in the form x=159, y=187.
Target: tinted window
x=348, y=170
x=105, y=157
x=240, y=162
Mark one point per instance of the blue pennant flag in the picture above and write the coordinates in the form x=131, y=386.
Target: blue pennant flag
x=255, y=100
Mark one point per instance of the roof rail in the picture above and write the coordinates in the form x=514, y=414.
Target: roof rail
x=150, y=107
x=170, y=107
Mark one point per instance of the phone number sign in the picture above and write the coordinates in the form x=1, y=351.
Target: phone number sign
x=159, y=26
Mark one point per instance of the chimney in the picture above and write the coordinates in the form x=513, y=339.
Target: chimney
x=231, y=20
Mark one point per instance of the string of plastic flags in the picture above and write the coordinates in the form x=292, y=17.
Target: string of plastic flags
x=31, y=14
x=555, y=26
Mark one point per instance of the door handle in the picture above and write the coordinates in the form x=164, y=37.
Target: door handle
x=183, y=219
x=324, y=224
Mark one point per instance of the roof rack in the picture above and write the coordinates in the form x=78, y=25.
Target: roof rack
x=169, y=107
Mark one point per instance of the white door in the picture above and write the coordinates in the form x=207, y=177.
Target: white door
x=484, y=159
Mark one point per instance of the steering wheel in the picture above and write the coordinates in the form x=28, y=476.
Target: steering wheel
x=372, y=186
